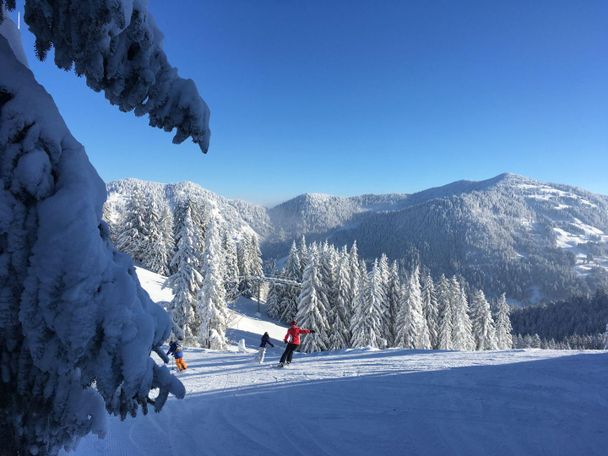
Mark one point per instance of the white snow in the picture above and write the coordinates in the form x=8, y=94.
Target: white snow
x=361, y=401
x=584, y=234
x=154, y=285
x=545, y=192
x=565, y=239
x=243, y=322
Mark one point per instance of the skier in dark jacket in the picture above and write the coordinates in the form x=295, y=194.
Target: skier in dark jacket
x=292, y=339
x=262, y=351
x=176, y=350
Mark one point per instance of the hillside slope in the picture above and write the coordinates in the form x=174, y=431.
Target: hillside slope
x=507, y=234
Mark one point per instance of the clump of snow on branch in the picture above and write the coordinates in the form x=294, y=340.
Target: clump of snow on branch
x=76, y=329
x=117, y=47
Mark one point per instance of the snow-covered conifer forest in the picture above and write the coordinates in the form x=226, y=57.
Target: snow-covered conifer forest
x=242, y=221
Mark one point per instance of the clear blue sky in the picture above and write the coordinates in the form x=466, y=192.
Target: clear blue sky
x=349, y=97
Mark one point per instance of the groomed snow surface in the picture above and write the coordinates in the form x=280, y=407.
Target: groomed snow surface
x=359, y=402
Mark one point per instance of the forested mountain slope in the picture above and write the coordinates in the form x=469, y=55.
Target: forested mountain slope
x=532, y=240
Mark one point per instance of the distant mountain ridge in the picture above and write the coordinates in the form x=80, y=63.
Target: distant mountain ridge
x=510, y=234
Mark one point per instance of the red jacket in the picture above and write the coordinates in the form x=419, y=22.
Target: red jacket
x=293, y=333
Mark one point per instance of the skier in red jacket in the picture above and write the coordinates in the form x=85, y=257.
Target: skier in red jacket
x=292, y=339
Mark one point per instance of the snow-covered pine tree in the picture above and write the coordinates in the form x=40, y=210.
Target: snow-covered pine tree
x=288, y=303
x=189, y=211
x=158, y=220
x=243, y=265
x=606, y=338
x=131, y=238
x=303, y=255
x=147, y=230
x=211, y=299
x=354, y=266
x=327, y=276
x=483, y=324
x=446, y=312
x=356, y=280
x=340, y=312
x=231, y=267
x=462, y=330
x=255, y=262
x=384, y=268
x=504, y=339
x=430, y=307
x=250, y=264
x=293, y=265
x=311, y=310
x=394, y=298
x=186, y=281
x=273, y=301
x=73, y=313
x=412, y=330
x=366, y=324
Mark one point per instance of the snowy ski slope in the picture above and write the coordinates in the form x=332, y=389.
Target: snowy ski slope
x=360, y=402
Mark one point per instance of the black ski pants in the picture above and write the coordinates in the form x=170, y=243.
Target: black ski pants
x=288, y=353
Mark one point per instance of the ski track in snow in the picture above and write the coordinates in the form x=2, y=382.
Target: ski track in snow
x=364, y=401
x=361, y=402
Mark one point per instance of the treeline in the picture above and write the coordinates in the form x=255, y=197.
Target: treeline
x=574, y=342
x=351, y=305
x=208, y=264
x=575, y=323
x=150, y=231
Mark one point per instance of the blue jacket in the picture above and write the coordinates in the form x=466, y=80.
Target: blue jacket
x=175, y=350
x=266, y=340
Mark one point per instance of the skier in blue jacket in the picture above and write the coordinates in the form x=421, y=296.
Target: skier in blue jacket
x=176, y=350
x=262, y=350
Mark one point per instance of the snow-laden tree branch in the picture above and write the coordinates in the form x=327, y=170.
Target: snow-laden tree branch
x=76, y=329
x=117, y=47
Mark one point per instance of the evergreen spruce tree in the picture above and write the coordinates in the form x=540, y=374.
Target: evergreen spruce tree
x=356, y=280
x=445, y=338
x=231, y=267
x=158, y=221
x=328, y=270
x=340, y=311
x=311, y=310
x=394, y=298
x=288, y=303
x=188, y=212
x=430, y=307
x=462, y=330
x=303, y=255
x=131, y=239
x=384, y=268
x=483, y=324
x=250, y=265
x=366, y=325
x=504, y=339
x=211, y=299
x=186, y=281
x=412, y=330
x=255, y=263
x=273, y=303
